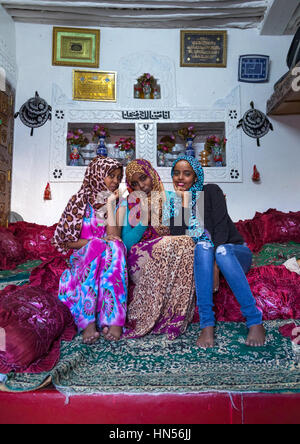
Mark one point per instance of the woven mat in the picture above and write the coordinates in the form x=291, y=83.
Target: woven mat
x=154, y=364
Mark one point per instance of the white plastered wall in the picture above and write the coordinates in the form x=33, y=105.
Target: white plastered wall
x=278, y=158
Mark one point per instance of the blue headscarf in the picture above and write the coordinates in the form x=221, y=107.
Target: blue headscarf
x=173, y=204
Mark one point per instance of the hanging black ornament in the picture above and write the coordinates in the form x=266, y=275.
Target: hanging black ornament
x=255, y=124
x=35, y=112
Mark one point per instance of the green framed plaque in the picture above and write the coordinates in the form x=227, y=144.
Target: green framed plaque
x=76, y=47
x=203, y=49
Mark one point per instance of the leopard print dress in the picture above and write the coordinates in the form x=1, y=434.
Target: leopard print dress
x=162, y=290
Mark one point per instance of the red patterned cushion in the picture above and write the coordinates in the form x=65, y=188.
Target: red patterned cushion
x=34, y=322
x=275, y=289
x=35, y=239
x=269, y=227
x=11, y=250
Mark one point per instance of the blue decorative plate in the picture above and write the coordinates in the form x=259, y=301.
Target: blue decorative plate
x=254, y=68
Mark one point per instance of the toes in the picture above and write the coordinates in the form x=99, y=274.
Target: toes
x=92, y=339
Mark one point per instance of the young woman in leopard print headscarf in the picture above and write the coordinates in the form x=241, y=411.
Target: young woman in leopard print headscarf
x=95, y=286
x=161, y=290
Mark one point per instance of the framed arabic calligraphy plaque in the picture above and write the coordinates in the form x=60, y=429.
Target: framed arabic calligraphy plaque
x=203, y=49
x=76, y=47
x=95, y=86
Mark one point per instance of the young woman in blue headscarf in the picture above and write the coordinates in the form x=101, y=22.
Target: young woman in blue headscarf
x=219, y=247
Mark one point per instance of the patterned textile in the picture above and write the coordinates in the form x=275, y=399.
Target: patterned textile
x=96, y=283
x=144, y=167
x=92, y=191
x=276, y=254
x=35, y=321
x=174, y=202
x=275, y=289
x=156, y=365
x=162, y=289
x=19, y=276
x=11, y=250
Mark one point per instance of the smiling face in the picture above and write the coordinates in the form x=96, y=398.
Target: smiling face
x=184, y=176
x=141, y=182
x=113, y=180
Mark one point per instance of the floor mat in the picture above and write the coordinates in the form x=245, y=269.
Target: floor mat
x=276, y=254
x=155, y=365
x=18, y=276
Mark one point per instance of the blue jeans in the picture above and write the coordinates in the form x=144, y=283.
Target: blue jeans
x=234, y=261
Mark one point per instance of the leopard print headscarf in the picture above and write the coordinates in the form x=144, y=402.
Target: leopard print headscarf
x=144, y=167
x=70, y=224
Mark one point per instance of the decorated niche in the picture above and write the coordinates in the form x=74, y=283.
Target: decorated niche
x=147, y=87
x=148, y=127
x=162, y=73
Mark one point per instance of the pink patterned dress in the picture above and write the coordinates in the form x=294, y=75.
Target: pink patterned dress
x=94, y=288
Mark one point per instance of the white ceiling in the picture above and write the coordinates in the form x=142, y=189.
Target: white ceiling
x=269, y=16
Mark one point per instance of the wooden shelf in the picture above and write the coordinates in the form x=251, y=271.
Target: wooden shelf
x=284, y=101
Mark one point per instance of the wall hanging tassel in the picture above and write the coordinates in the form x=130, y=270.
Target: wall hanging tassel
x=256, y=175
x=47, y=192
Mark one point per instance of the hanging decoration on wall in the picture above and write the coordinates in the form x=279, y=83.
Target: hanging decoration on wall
x=147, y=87
x=255, y=124
x=34, y=113
x=254, y=68
x=255, y=175
x=47, y=192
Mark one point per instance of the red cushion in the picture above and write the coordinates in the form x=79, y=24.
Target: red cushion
x=11, y=250
x=35, y=239
x=280, y=227
x=275, y=289
x=269, y=227
x=35, y=322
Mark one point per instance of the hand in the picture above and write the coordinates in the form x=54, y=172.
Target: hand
x=77, y=245
x=145, y=208
x=113, y=196
x=216, y=278
x=179, y=192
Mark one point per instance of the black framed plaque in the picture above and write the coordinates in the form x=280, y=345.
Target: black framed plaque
x=204, y=49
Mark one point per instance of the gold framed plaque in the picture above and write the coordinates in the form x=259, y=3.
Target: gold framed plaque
x=203, y=49
x=76, y=47
x=95, y=86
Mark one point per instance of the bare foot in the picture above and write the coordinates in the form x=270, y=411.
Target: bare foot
x=90, y=334
x=112, y=333
x=206, y=338
x=256, y=336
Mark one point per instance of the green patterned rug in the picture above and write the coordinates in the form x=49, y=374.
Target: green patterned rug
x=18, y=276
x=276, y=254
x=154, y=364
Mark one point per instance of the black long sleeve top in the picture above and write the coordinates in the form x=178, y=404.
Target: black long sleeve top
x=216, y=219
